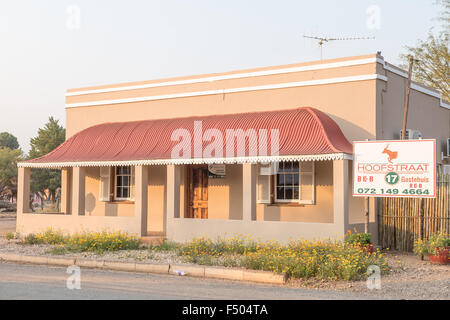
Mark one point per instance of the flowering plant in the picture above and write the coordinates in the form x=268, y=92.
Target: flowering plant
x=362, y=239
x=432, y=245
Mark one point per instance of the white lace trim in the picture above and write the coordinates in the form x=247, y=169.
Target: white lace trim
x=257, y=159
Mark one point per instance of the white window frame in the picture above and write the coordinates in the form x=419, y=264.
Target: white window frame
x=313, y=183
x=105, y=184
x=265, y=175
x=300, y=174
x=130, y=186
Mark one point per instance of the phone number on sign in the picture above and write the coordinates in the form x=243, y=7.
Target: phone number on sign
x=382, y=191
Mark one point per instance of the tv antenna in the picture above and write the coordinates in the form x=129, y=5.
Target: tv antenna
x=322, y=40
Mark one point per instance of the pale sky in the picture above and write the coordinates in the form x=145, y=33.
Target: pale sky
x=43, y=51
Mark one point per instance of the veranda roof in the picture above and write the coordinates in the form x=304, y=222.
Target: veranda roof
x=303, y=134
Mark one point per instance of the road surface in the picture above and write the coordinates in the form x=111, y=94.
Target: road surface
x=19, y=281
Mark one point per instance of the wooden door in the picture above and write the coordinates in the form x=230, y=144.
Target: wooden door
x=198, y=192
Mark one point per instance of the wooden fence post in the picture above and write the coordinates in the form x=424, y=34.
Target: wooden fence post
x=421, y=221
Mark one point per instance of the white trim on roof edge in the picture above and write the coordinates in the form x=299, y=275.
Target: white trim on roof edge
x=232, y=90
x=347, y=63
x=257, y=159
x=415, y=86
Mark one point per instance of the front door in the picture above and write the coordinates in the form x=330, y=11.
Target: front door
x=198, y=192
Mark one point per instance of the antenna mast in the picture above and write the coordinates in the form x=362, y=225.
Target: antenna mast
x=322, y=40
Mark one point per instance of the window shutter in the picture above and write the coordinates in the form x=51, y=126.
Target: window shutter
x=105, y=178
x=264, y=180
x=307, y=183
x=132, y=184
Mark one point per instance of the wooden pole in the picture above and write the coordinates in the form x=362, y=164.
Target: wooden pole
x=366, y=210
x=408, y=89
x=421, y=221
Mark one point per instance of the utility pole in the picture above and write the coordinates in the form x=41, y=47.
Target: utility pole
x=405, y=118
x=366, y=212
x=408, y=89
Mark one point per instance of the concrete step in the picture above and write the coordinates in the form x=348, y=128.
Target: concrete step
x=154, y=234
x=155, y=240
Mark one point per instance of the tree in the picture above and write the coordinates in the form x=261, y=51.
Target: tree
x=48, y=138
x=432, y=57
x=7, y=140
x=8, y=171
x=445, y=14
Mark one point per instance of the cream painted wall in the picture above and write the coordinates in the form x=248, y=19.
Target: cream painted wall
x=351, y=105
x=225, y=195
x=156, y=198
x=356, y=212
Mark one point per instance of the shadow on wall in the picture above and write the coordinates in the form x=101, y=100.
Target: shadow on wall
x=352, y=131
x=90, y=203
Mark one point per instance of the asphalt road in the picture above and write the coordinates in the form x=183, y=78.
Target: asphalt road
x=19, y=281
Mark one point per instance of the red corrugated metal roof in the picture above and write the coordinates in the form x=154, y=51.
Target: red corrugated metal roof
x=302, y=131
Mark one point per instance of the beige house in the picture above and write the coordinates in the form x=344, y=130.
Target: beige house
x=273, y=162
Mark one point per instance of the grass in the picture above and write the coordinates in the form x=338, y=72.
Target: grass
x=165, y=246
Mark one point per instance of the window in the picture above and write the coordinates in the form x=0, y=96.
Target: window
x=286, y=182
x=116, y=183
x=124, y=177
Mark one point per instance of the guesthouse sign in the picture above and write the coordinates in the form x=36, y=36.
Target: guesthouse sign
x=394, y=168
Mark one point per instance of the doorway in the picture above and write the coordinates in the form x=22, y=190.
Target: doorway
x=198, y=192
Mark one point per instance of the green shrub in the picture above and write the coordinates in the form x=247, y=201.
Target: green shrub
x=358, y=238
x=165, y=246
x=10, y=235
x=202, y=246
x=431, y=245
x=52, y=237
x=31, y=238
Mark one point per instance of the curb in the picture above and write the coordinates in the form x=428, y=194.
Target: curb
x=222, y=273
x=152, y=268
x=264, y=277
x=173, y=269
x=195, y=271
